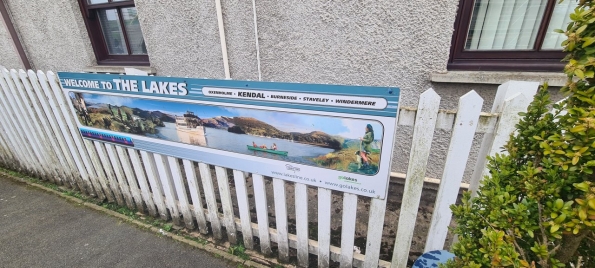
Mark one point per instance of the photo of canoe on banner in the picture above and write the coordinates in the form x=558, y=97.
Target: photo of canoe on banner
x=331, y=142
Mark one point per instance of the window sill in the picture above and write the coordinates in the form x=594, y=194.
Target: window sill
x=117, y=69
x=497, y=78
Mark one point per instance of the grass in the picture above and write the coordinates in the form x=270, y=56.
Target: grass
x=240, y=251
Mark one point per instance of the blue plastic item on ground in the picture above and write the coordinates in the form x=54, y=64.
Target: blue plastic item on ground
x=433, y=258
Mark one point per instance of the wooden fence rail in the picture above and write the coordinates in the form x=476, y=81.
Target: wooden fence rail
x=39, y=135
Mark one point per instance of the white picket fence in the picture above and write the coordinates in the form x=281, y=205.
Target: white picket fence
x=39, y=135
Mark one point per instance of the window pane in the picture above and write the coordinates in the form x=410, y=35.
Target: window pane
x=135, y=36
x=560, y=19
x=112, y=32
x=91, y=2
x=504, y=24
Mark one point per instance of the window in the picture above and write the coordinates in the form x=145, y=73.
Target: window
x=500, y=35
x=115, y=32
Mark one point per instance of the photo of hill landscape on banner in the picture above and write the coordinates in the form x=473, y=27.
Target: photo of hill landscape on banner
x=343, y=144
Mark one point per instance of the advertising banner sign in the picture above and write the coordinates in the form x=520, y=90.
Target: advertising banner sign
x=330, y=136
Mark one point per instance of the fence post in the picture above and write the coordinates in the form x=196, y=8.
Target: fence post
x=423, y=133
x=458, y=153
x=503, y=104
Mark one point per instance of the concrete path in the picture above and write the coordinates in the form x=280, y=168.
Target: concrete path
x=38, y=229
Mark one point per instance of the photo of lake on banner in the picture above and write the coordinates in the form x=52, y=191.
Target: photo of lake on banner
x=344, y=144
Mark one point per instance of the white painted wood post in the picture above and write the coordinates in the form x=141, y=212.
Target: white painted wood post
x=130, y=178
x=153, y=178
x=142, y=181
x=119, y=174
x=111, y=177
x=262, y=213
x=50, y=141
x=301, y=221
x=348, y=229
x=167, y=185
x=18, y=141
x=505, y=92
x=180, y=189
x=374, y=235
x=506, y=125
x=281, y=218
x=199, y=211
x=423, y=134
x=461, y=140
x=226, y=204
x=57, y=141
x=207, y=183
x=98, y=167
x=242, y=195
x=324, y=226
x=21, y=124
x=56, y=96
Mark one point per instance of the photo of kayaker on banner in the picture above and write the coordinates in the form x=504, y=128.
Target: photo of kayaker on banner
x=317, y=140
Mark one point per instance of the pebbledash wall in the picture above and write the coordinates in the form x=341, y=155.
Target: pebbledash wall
x=369, y=42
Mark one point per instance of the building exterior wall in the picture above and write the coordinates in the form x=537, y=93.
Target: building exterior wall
x=53, y=33
x=9, y=58
x=395, y=43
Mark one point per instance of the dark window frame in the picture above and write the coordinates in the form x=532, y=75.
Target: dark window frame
x=98, y=42
x=504, y=60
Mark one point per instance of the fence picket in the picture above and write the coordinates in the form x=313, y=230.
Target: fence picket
x=130, y=178
x=505, y=92
x=109, y=172
x=423, y=133
x=242, y=196
x=209, y=191
x=153, y=178
x=22, y=126
x=42, y=129
x=348, y=229
x=119, y=174
x=374, y=235
x=508, y=119
x=26, y=118
x=49, y=124
x=98, y=167
x=17, y=143
x=301, y=218
x=194, y=189
x=324, y=226
x=456, y=160
x=168, y=187
x=262, y=213
x=142, y=181
x=226, y=204
x=56, y=97
x=281, y=218
x=176, y=175
x=6, y=156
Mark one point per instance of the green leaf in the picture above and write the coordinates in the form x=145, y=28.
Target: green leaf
x=579, y=73
x=581, y=29
x=554, y=228
x=588, y=41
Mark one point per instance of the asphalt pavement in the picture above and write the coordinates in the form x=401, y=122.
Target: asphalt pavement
x=38, y=229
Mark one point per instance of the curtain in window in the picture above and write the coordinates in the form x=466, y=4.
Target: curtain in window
x=504, y=24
